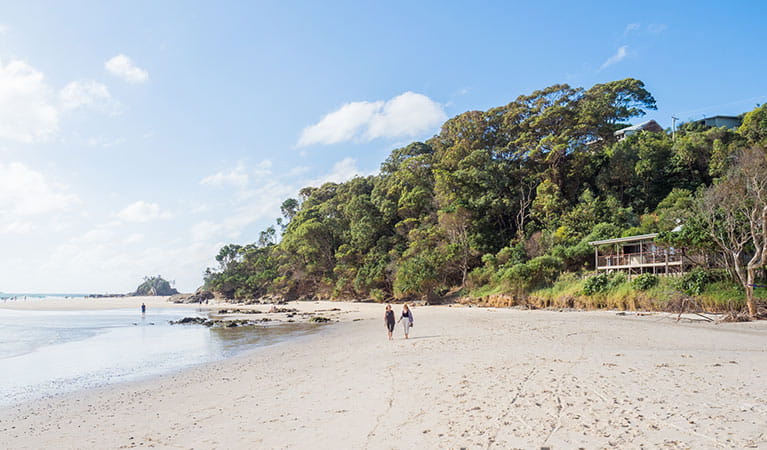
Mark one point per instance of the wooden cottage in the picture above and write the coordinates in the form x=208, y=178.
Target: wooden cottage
x=636, y=255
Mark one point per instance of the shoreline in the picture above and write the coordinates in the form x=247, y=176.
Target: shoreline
x=234, y=331
x=469, y=377
x=94, y=303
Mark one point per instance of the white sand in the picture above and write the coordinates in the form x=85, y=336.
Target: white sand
x=469, y=377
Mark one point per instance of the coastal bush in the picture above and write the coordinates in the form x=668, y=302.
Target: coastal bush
x=617, y=280
x=495, y=183
x=378, y=295
x=415, y=277
x=644, y=282
x=596, y=284
x=694, y=281
x=539, y=271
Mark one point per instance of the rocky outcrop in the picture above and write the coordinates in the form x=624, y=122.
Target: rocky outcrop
x=155, y=286
x=223, y=323
x=201, y=296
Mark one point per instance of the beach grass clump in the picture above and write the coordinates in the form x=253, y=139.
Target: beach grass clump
x=487, y=290
x=568, y=284
x=722, y=295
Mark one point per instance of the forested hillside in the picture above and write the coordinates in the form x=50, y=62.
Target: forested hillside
x=505, y=199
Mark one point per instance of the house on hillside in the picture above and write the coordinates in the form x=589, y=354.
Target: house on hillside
x=650, y=125
x=731, y=122
x=635, y=255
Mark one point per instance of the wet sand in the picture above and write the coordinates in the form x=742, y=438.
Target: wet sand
x=468, y=377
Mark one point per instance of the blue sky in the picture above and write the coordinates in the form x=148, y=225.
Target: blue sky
x=136, y=138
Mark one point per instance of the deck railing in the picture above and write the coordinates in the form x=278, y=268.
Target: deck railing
x=639, y=259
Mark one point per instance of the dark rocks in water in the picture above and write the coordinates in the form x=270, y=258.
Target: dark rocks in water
x=223, y=323
x=319, y=319
x=192, y=320
x=239, y=311
x=180, y=298
x=198, y=297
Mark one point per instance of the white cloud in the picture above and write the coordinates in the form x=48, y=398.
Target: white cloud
x=105, y=142
x=263, y=203
x=205, y=230
x=341, y=125
x=408, y=114
x=236, y=177
x=134, y=238
x=263, y=169
x=89, y=94
x=27, y=113
x=616, y=58
x=26, y=192
x=4, y=28
x=17, y=226
x=239, y=177
x=343, y=170
x=141, y=211
x=122, y=66
x=630, y=28
x=298, y=170
x=656, y=28
x=29, y=109
x=97, y=236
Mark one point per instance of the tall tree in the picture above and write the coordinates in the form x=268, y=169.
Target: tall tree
x=735, y=211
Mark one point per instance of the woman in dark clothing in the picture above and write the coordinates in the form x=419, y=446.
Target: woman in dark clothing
x=389, y=320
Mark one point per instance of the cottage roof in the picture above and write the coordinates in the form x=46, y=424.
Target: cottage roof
x=649, y=125
x=640, y=237
x=718, y=117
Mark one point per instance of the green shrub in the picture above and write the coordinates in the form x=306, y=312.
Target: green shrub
x=596, y=284
x=538, y=272
x=514, y=254
x=617, y=280
x=644, y=282
x=694, y=282
x=378, y=295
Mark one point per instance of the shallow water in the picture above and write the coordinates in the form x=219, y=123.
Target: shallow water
x=44, y=353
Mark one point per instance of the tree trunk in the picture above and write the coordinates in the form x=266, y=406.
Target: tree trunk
x=750, y=302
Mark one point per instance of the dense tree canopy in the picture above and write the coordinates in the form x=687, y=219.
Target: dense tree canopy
x=514, y=192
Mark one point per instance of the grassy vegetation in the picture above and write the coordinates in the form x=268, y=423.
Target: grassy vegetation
x=618, y=292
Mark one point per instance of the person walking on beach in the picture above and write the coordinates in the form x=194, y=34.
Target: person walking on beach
x=389, y=320
x=143, y=308
x=408, y=316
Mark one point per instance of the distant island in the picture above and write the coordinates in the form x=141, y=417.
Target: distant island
x=155, y=285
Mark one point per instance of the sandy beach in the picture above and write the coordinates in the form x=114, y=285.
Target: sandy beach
x=467, y=378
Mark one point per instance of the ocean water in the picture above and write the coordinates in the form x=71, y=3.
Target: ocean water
x=44, y=353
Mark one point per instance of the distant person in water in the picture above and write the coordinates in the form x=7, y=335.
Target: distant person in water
x=143, y=308
x=407, y=315
x=389, y=320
